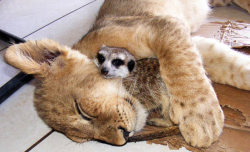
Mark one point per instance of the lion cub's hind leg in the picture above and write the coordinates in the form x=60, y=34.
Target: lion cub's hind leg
x=223, y=64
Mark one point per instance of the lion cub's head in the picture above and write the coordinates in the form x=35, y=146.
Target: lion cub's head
x=73, y=98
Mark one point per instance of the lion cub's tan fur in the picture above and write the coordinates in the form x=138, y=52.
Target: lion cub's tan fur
x=73, y=98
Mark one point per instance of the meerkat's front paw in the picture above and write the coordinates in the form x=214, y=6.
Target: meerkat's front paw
x=200, y=125
x=160, y=122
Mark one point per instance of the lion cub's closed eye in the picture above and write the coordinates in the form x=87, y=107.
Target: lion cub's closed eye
x=115, y=62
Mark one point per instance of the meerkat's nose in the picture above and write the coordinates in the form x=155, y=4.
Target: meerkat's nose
x=104, y=71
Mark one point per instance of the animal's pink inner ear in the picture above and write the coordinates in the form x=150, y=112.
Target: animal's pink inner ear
x=50, y=56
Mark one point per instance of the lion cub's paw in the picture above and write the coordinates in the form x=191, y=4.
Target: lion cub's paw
x=202, y=125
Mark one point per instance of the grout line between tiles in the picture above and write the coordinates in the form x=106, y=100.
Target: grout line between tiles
x=39, y=141
x=59, y=18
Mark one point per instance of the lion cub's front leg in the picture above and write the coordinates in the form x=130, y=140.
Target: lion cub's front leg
x=194, y=105
x=193, y=102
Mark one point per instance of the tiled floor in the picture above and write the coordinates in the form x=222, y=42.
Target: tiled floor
x=64, y=21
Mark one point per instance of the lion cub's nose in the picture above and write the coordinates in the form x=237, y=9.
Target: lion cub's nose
x=104, y=71
x=125, y=133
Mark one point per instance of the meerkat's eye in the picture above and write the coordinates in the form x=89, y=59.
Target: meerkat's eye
x=131, y=65
x=117, y=62
x=100, y=58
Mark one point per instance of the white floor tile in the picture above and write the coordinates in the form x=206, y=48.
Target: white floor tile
x=6, y=71
x=67, y=31
x=72, y=27
x=20, y=126
x=58, y=142
x=23, y=17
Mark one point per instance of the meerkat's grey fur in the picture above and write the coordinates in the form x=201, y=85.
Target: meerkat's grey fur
x=146, y=85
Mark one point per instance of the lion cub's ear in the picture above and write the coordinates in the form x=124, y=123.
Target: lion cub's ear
x=33, y=57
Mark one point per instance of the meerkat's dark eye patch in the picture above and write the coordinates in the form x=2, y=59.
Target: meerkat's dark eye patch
x=131, y=65
x=100, y=58
x=117, y=62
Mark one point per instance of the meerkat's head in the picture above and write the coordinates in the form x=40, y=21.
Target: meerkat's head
x=115, y=62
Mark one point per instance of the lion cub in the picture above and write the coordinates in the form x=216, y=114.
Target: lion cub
x=75, y=99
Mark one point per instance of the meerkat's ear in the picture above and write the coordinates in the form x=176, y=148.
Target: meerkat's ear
x=131, y=65
x=33, y=57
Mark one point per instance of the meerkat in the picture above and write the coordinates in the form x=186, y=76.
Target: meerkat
x=115, y=62
x=145, y=83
